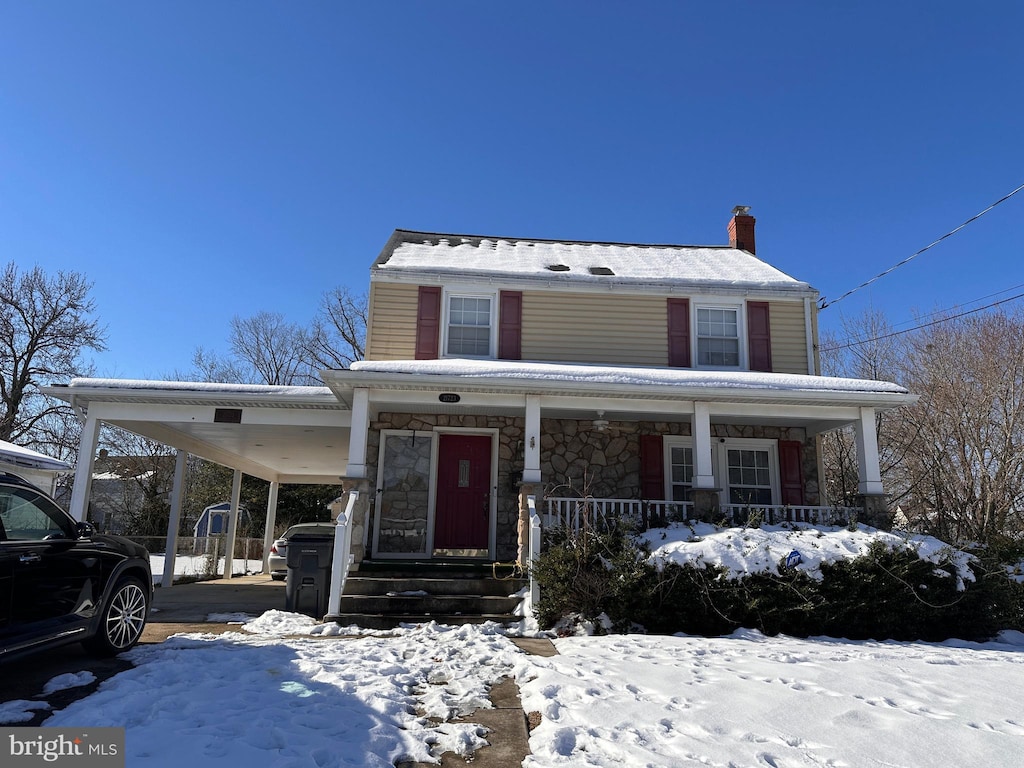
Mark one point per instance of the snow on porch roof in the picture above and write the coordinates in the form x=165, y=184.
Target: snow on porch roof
x=629, y=376
x=594, y=263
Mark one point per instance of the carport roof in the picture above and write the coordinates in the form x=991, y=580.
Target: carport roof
x=283, y=434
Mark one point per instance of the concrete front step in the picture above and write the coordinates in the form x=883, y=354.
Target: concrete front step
x=467, y=605
x=392, y=620
x=357, y=584
x=386, y=600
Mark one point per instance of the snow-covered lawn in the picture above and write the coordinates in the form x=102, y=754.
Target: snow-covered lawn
x=261, y=698
x=200, y=565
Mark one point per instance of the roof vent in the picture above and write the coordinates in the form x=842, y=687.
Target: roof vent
x=601, y=271
x=558, y=267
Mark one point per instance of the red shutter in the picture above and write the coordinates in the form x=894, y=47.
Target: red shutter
x=759, y=337
x=652, y=467
x=428, y=323
x=791, y=472
x=679, y=333
x=510, y=325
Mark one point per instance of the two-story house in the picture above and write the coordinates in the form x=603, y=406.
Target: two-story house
x=650, y=379
x=680, y=378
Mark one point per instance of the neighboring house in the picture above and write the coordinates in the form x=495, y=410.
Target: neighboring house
x=38, y=468
x=654, y=379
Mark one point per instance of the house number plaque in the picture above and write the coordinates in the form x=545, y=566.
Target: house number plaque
x=449, y=397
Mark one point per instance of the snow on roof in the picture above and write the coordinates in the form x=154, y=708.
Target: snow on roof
x=580, y=261
x=200, y=386
x=605, y=374
x=26, y=457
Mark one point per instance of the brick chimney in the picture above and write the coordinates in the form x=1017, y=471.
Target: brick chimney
x=741, y=229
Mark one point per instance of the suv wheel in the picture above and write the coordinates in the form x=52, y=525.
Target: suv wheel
x=123, y=619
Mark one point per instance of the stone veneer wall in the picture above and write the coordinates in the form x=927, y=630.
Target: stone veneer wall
x=575, y=458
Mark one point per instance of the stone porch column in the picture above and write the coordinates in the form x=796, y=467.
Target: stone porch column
x=360, y=515
x=523, y=527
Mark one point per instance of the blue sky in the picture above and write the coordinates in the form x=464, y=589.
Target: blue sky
x=203, y=160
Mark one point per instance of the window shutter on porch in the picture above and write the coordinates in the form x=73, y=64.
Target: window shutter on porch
x=759, y=338
x=791, y=472
x=679, y=333
x=652, y=467
x=428, y=323
x=510, y=325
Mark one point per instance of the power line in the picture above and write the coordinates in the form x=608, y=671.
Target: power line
x=914, y=255
x=922, y=325
x=942, y=313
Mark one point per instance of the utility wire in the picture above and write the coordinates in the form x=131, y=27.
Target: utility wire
x=823, y=304
x=922, y=325
x=942, y=313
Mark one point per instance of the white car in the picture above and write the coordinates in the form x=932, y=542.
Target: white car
x=278, y=560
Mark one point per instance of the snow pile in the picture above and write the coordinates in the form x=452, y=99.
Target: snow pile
x=743, y=551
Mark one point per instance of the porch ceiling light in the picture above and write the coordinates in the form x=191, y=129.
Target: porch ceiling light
x=600, y=423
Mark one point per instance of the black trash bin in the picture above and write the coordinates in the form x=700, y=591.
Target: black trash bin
x=308, y=588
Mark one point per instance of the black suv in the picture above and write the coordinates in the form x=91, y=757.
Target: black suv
x=61, y=582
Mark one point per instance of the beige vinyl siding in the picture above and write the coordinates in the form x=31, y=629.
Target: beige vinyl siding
x=789, y=336
x=595, y=328
x=391, y=331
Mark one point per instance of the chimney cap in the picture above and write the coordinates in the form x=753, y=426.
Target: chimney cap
x=741, y=210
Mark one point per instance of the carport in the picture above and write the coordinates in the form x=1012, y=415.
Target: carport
x=280, y=434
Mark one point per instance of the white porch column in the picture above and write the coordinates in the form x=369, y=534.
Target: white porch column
x=703, y=469
x=229, y=545
x=177, y=494
x=360, y=431
x=869, y=476
x=268, y=533
x=83, y=470
x=531, y=441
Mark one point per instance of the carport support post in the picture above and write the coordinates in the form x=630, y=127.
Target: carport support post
x=171, y=548
x=268, y=533
x=229, y=546
x=83, y=470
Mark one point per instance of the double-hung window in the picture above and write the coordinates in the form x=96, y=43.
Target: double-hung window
x=750, y=475
x=469, y=326
x=680, y=472
x=718, y=337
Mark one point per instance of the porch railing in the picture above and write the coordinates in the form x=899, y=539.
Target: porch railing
x=580, y=513
x=342, y=559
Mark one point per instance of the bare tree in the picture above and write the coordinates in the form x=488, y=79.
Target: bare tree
x=338, y=336
x=273, y=348
x=954, y=462
x=46, y=323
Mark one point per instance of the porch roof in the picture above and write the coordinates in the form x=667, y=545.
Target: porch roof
x=501, y=388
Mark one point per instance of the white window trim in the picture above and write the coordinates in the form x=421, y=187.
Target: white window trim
x=749, y=444
x=469, y=293
x=720, y=461
x=741, y=333
x=670, y=442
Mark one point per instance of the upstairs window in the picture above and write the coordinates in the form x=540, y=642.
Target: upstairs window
x=469, y=326
x=718, y=337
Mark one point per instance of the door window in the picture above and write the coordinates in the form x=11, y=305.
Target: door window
x=28, y=516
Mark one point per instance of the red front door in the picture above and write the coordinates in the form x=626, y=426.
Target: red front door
x=463, y=506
